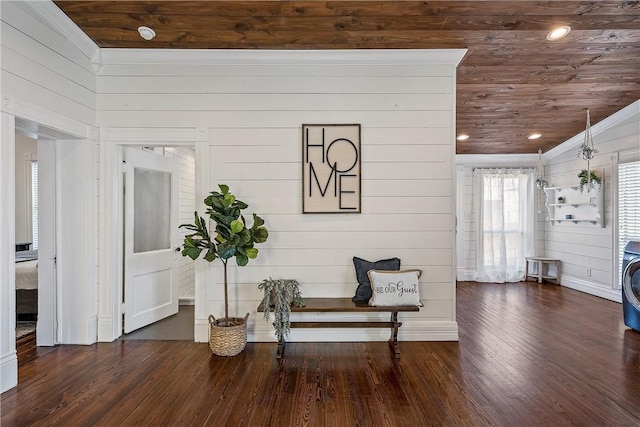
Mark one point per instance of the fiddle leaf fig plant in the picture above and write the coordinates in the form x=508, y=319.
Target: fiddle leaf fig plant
x=233, y=238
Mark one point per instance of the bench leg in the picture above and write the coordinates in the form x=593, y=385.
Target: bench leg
x=280, y=351
x=393, y=341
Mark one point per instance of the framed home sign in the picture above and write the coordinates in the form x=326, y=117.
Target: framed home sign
x=331, y=168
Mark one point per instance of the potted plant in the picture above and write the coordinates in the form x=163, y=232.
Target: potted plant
x=586, y=176
x=280, y=294
x=233, y=238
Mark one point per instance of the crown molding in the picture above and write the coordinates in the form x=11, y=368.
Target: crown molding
x=411, y=57
x=48, y=12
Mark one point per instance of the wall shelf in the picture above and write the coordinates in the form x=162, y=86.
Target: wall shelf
x=581, y=206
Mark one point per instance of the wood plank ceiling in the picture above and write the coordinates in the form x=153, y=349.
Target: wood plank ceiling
x=512, y=82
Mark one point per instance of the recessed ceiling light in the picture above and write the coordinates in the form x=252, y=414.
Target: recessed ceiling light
x=462, y=137
x=534, y=136
x=146, y=33
x=558, y=33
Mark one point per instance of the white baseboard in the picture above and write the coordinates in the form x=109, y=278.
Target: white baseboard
x=105, y=329
x=201, y=331
x=8, y=371
x=92, y=330
x=187, y=301
x=466, y=275
x=591, y=288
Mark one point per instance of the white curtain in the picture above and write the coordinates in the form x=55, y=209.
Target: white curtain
x=506, y=221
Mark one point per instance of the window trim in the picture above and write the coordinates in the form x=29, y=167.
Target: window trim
x=625, y=156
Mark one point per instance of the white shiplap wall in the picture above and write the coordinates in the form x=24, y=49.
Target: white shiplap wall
x=48, y=85
x=585, y=248
x=187, y=204
x=41, y=67
x=253, y=105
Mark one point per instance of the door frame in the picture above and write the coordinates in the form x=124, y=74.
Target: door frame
x=112, y=142
x=31, y=119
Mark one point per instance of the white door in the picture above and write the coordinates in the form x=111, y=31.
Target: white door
x=152, y=246
x=47, y=332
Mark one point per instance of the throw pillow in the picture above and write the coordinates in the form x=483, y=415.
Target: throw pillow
x=393, y=288
x=363, y=291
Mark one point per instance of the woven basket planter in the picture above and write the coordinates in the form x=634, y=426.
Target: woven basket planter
x=227, y=336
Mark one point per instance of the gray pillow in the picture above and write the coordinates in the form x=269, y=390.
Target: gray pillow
x=363, y=291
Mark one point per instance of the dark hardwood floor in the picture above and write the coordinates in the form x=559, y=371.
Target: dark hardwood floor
x=528, y=355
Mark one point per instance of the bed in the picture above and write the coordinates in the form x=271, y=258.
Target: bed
x=26, y=285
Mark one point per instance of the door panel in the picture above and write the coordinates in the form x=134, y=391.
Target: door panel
x=47, y=333
x=151, y=234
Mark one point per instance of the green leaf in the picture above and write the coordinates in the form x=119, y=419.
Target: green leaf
x=252, y=253
x=260, y=235
x=226, y=251
x=236, y=226
x=228, y=200
x=241, y=260
x=257, y=221
x=211, y=255
x=224, y=188
x=188, y=242
x=234, y=240
x=246, y=237
x=191, y=252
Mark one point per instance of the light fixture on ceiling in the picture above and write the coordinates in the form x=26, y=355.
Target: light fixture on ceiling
x=535, y=136
x=462, y=137
x=558, y=33
x=146, y=32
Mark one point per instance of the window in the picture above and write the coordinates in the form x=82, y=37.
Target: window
x=34, y=204
x=628, y=208
x=506, y=223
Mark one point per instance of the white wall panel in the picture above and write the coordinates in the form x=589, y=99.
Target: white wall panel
x=587, y=251
x=45, y=97
x=277, y=85
x=116, y=68
x=362, y=222
x=290, y=135
x=187, y=205
x=254, y=101
x=49, y=81
x=254, y=113
x=41, y=67
x=268, y=119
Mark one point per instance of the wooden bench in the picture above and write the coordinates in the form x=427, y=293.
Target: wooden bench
x=345, y=305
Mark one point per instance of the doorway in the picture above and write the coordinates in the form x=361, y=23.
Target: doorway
x=158, y=287
x=26, y=237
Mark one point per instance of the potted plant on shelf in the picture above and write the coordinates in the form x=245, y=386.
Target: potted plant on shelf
x=233, y=238
x=588, y=179
x=280, y=294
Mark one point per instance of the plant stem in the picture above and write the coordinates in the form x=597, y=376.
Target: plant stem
x=226, y=295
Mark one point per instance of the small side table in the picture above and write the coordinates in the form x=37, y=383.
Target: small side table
x=541, y=267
